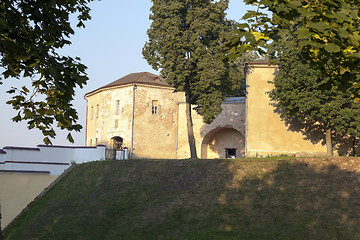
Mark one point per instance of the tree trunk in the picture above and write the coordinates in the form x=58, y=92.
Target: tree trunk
x=189, y=125
x=329, y=147
x=354, y=147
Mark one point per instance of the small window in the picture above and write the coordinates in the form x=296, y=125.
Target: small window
x=90, y=142
x=92, y=113
x=97, y=111
x=154, y=108
x=117, y=111
x=230, y=152
x=116, y=123
x=96, y=141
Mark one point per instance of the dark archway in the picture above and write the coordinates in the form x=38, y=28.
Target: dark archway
x=223, y=142
x=116, y=142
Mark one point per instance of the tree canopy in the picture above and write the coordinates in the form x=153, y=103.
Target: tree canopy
x=31, y=34
x=326, y=30
x=186, y=42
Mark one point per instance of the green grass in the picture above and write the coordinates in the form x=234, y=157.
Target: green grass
x=268, y=198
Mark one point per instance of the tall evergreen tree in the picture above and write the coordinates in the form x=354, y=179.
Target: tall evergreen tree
x=305, y=94
x=237, y=73
x=186, y=42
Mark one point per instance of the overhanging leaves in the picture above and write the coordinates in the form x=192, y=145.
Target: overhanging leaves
x=31, y=32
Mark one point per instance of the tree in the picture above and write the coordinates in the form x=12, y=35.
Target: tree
x=186, y=42
x=326, y=30
x=347, y=126
x=237, y=74
x=31, y=33
x=305, y=94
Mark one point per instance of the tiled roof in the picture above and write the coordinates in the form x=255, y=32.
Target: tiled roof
x=140, y=78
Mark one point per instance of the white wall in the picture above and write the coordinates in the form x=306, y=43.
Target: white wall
x=2, y=159
x=52, y=160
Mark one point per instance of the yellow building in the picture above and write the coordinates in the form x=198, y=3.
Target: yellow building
x=267, y=133
x=143, y=113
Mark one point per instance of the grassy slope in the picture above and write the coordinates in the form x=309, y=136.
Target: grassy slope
x=200, y=199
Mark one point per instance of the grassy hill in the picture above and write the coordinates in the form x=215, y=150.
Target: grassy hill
x=268, y=198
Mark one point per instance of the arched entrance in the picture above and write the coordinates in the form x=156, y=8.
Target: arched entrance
x=223, y=142
x=116, y=142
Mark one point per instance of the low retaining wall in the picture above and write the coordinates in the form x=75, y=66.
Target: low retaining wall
x=44, y=159
x=26, y=172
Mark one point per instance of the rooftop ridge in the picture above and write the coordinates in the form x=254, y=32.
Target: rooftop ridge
x=131, y=78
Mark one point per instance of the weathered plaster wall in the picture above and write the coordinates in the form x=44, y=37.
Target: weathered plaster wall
x=267, y=133
x=221, y=140
x=154, y=135
x=232, y=117
x=18, y=190
x=107, y=124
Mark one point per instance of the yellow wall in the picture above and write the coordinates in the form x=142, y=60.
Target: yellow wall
x=18, y=190
x=267, y=133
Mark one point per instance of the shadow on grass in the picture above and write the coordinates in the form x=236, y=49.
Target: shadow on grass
x=315, y=133
x=197, y=199
x=296, y=201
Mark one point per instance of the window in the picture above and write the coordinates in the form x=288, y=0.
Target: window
x=117, y=107
x=96, y=141
x=116, y=123
x=92, y=113
x=230, y=152
x=97, y=111
x=154, y=108
x=90, y=142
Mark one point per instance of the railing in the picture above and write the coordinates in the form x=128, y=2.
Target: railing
x=113, y=154
x=110, y=154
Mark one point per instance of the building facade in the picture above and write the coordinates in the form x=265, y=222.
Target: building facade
x=143, y=113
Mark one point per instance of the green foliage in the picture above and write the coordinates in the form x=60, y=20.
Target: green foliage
x=305, y=93
x=237, y=74
x=327, y=31
x=186, y=42
x=31, y=33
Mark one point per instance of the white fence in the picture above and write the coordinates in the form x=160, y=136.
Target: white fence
x=43, y=159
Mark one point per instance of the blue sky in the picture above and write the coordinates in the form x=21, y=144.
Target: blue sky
x=110, y=46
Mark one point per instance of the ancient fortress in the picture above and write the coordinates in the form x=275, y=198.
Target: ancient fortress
x=143, y=113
